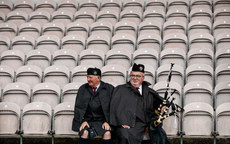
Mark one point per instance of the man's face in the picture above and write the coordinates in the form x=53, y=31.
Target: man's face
x=136, y=78
x=93, y=80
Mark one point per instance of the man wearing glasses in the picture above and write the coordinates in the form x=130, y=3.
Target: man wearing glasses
x=132, y=106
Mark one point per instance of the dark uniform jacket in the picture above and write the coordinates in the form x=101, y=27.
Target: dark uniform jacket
x=84, y=95
x=123, y=106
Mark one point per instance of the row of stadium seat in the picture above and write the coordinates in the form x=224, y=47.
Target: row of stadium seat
x=39, y=118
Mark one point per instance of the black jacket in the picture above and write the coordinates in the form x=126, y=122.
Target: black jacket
x=82, y=100
x=123, y=104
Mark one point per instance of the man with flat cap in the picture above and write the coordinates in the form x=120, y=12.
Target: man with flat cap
x=132, y=106
x=92, y=108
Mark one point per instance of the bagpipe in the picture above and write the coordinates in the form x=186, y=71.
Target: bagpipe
x=167, y=108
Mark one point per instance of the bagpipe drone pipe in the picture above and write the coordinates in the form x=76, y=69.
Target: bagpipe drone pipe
x=167, y=108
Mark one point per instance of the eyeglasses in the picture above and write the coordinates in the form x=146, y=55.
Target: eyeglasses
x=135, y=76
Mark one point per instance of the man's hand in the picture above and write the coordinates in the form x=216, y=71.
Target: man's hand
x=126, y=126
x=83, y=125
x=106, y=126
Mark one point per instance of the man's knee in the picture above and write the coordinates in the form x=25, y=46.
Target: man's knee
x=107, y=135
x=85, y=134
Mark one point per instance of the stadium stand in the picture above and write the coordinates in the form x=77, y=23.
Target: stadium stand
x=46, y=47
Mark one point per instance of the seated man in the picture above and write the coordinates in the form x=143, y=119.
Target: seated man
x=92, y=108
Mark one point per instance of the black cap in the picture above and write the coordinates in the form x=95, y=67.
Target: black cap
x=94, y=71
x=138, y=68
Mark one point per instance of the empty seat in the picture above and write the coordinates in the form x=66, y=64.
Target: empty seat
x=62, y=16
x=70, y=5
x=201, y=40
x=9, y=118
x=17, y=17
x=200, y=55
x=57, y=29
x=221, y=92
x=152, y=41
x=113, y=73
x=18, y=93
x=99, y=42
x=73, y=42
x=79, y=73
x=172, y=123
x=198, y=119
x=177, y=74
x=13, y=58
x=39, y=57
x=69, y=92
x=156, y=4
x=24, y=5
x=222, y=41
x=201, y=14
x=40, y=17
x=221, y=26
x=32, y=29
x=101, y=28
x=221, y=13
x=126, y=27
x=6, y=75
x=174, y=26
x=173, y=55
x=58, y=74
x=24, y=43
x=220, y=3
x=146, y=56
x=48, y=42
x=222, y=73
x=46, y=5
x=29, y=74
x=46, y=92
x=114, y=5
x=222, y=56
x=108, y=16
x=199, y=26
x=8, y=29
x=222, y=119
x=62, y=119
x=198, y=91
x=131, y=15
x=173, y=4
x=126, y=41
x=6, y=6
x=120, y=57
x=66, y=57
x=86, y=16
x=94, y=57
x=199, y=72
x=36, y=118
x=133, y=5
x=4, y=44
x=154, y=15
x=175, y=40
x=201, y=4
x=92, y=5
x=177, y=14
x=150, y=27
x=77, y=28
